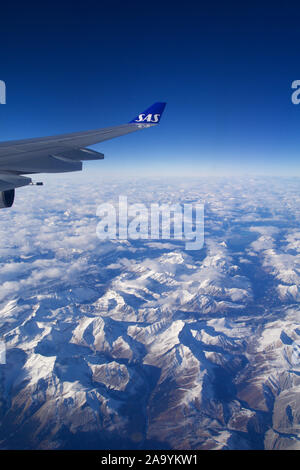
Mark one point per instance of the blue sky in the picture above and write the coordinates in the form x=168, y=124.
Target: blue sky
x=224, y=70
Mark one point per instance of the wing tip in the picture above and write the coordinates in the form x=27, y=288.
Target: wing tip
x=151, y=115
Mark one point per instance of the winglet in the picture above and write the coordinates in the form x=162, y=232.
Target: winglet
x=150, y=115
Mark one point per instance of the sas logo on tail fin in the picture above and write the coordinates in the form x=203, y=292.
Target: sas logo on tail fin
x=151, y=114
x=148, y=118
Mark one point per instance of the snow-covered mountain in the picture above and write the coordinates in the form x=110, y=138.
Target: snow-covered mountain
x=140, y=343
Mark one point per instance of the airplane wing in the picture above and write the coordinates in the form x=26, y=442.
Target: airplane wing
x=62, y=153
